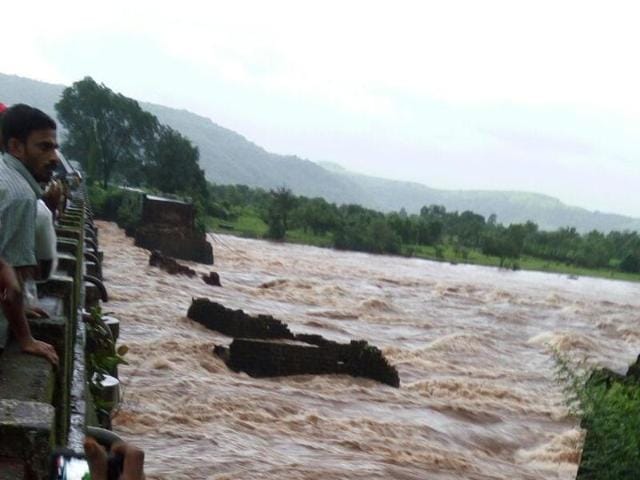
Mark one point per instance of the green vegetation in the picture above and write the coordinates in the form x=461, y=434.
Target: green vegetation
x=433, y=234
x=609, y=405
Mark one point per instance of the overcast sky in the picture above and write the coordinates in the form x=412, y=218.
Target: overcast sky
x=511, y=95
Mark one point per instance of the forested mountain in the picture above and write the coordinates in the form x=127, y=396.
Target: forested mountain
x=229, y=158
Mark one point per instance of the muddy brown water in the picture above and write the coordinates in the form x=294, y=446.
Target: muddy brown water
x=472, y=344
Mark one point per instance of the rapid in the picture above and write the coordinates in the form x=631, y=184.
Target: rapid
x=473, y=346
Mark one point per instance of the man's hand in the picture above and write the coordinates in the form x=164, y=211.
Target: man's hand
x=35, y=312
x=133, y=467
x=52, y=195
x=41, y=349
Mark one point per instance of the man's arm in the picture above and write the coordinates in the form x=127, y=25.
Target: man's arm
x=11, y=298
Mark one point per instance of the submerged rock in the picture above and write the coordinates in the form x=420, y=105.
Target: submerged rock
x=212, y=279
x=157, y=259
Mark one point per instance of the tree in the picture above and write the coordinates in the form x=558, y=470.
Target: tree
x=316, y=214
x=468, y=227
x=106, y=127
x=172, y=165
x=433, y=211
x=282, y=201
x=504, y=242
x=429, y=232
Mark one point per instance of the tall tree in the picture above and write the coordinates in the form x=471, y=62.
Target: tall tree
x=282, y=201
x=105, y=126
x=172, y=165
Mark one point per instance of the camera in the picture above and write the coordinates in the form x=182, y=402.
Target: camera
x=69, y=465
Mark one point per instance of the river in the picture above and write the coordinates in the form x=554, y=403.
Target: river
x=478, y=399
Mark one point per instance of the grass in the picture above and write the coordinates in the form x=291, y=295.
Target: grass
x=245, y=225
x=249, y=225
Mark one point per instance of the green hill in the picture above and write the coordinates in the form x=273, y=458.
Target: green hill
x=229, y=158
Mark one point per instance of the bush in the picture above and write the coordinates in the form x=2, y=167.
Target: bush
x=630, y=264
x=117, y=205
x=610, y=409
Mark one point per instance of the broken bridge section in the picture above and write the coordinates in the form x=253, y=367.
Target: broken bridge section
x=265, y=347
x=168, y=225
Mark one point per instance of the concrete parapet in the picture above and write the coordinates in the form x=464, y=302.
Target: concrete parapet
x=41, y=407
x=26, y=430
x=25, y=377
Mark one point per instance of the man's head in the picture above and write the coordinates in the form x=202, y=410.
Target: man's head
x=30, y=136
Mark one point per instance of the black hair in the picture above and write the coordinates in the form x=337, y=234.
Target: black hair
x=20, y=120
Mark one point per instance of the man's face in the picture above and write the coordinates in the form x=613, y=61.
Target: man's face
x=38, y=154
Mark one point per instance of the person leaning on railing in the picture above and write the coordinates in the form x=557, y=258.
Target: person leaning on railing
x=29, y=141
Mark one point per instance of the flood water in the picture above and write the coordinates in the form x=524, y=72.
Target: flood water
x=472, y=345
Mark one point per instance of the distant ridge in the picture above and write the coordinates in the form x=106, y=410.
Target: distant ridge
x=229, y=158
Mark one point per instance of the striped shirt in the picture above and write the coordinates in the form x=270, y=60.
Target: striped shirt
x=19, y=193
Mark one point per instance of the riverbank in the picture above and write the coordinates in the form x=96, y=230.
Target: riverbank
x=251, y=226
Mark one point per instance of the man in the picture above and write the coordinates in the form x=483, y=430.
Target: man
x=29, y=142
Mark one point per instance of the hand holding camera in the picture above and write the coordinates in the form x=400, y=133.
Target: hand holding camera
x=123, y=457
x=122, y=462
